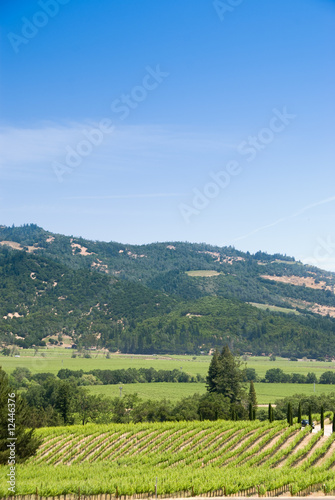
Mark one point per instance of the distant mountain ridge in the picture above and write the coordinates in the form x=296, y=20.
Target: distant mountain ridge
x=174, y=297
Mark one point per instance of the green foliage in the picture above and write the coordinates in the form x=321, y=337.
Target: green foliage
x=289, y=416
x=299, y=413
x=139, y=299
x=225, y=376
x=129, y=376
x=252, y=398
x=13, y=415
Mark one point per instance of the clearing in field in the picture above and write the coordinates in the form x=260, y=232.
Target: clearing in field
x=203, y=274
x=274, y=308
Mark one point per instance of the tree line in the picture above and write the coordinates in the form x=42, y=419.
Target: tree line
x=277, y=375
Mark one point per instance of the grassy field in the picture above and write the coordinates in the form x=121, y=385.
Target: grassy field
x=54, y=360
x=262, y=364
x=159, y=390
x=202, y=274
x=266, y=393
x=194, y=457
x=57, y=358
x=274, y=308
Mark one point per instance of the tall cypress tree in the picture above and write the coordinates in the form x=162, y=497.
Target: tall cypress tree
x=310, y=418
x=322, y=418
x=251, y=415
x=252, y=395
x=270, y=413
x=26, y=443
x=289, y=414
x=299, y=413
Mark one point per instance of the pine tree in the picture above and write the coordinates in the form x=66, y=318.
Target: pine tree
x=26, y=443
x=225, y=376
x=213, y=372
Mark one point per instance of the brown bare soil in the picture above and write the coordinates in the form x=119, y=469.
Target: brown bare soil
x=299, y=281
x=305, y=457
x=327, y=455
x=299, y=446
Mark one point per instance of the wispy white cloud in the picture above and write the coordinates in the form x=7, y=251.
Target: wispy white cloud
x=125, y=196
x=287, y=218
x=44, y=143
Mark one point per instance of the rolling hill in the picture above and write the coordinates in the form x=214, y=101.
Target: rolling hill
x=172, y=297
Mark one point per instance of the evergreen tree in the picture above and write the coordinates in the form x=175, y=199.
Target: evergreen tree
x=270, y=415
x=65, y=400
x=213, y=372
x=310, y=419
x=299, y=413
x=252, y=395
x=225, y=376
x=322, y=418
x=26, y=443
x=250, y=412
x=289, y=414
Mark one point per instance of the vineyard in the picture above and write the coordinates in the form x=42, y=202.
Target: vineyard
x=197, y=457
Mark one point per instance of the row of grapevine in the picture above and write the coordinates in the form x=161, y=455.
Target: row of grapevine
x=196, y=457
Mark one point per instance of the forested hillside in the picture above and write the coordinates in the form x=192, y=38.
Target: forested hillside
x=168, y=297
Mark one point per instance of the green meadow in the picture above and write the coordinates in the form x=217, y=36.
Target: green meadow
x=53, y=359
x=266, y=393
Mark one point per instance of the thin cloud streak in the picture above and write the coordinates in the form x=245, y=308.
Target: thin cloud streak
x=284, y=219
x=125, y=196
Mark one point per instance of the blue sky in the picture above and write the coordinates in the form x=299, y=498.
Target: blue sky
x=173, y=120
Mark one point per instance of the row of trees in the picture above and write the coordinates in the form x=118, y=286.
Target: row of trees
x=277, y=375
x=22, y=377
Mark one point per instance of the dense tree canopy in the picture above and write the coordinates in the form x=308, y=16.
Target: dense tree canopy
x=13, y=429
x=225, y=376
x=143, y=299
